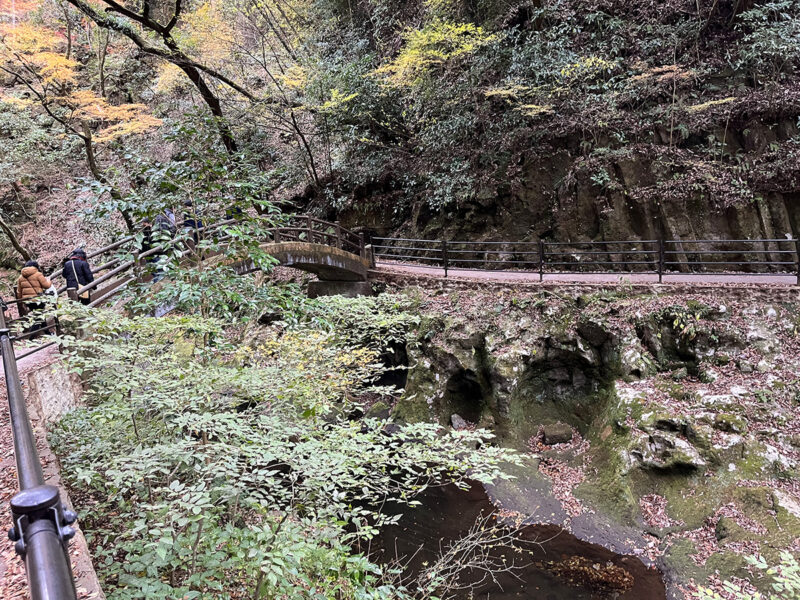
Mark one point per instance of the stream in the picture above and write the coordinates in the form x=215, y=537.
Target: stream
x=550, y=563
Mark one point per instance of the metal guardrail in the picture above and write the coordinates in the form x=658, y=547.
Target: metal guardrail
x=656, y=257
x=41, y=523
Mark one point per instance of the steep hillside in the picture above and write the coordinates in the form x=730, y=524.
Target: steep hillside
x=560, y=119
x=577, y=120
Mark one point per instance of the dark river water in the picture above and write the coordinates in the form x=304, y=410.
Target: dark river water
x=552, y=564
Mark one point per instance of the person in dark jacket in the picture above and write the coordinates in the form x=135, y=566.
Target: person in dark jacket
x=156, y=232
x=77, y=273
x=191, y=221
x=165, y=227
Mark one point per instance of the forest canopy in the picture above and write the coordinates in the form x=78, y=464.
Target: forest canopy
x=403, y=104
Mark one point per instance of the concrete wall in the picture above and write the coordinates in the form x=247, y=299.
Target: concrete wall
x=51, y=392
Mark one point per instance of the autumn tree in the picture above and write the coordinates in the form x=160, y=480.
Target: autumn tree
x=157, y=38
x=50, y=82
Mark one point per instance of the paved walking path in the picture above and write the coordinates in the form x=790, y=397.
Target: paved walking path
x=632, y=278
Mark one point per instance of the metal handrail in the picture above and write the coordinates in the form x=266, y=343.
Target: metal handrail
x=589, y=257
x=41, y=523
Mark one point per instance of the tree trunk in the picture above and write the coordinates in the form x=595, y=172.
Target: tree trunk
x=213, y=105
x=102, y=51
x=14, y=241
x=98, y=175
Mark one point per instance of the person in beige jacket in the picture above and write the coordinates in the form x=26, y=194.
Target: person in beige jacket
x=31, y=284
x=31, y=281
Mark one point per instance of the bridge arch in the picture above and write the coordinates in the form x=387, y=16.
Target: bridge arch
x=328, y=263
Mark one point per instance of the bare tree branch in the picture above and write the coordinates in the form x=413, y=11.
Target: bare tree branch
x=14, y=241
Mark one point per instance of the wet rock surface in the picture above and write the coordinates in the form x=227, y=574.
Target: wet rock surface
x=548, y=561
x=681, y=410
x=557, y=433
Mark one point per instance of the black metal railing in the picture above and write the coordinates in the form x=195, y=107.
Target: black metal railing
x=659, y=258
x=41, y=523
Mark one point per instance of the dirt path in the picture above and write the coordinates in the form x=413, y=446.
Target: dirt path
x=528, y=277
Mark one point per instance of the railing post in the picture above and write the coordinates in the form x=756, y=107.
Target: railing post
x=797, y=252
x=72, y=294
x=444, y=256
x=541, y=260
x=310, y=227
x=660, y=259
x=362, y=245
x=339, y=235
x=41, y=524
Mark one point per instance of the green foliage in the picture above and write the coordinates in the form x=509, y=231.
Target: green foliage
x=785, y=582
x=435, y=44
x=370, y=321
x=205, y=468
x=770, y=47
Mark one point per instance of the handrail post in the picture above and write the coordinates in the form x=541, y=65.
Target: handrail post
x=444, y=256
x=339, y=235
x=797, y=252
x=541, y=260
x=41, y=523
x=362, y=245
x=72, y=294
x=660, y=259
x=310, y=227
x=137, y=268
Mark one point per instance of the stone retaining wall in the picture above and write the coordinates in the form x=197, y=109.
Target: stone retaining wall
x=51, y=392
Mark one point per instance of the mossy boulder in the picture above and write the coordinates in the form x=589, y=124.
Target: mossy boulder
x=730, y=423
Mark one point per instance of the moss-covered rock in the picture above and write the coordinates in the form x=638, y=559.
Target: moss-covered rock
x=730, y=423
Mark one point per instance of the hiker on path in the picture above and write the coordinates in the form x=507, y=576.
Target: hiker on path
x=32, y=284
x=77, y=273
x=165, y=224
x=156, y=233
x=191, y=221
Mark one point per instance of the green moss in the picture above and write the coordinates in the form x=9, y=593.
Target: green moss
x=377, y=409
x=730, y=423
x=679, y=558
x=608, y=489
x=722, y=359
x=412, y=410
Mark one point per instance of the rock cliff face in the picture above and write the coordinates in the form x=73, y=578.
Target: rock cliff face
x=559, y=196
x=683, y=409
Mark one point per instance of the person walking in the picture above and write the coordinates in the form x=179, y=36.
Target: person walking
x=32, y=282
x=31, y=285
x=156, y=234
x=77, y=273
x=191, y=221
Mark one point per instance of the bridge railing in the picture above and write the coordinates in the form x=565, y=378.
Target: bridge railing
x=306, y=228
x=655, y=257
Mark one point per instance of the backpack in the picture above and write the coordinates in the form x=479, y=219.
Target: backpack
x=163, y=223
